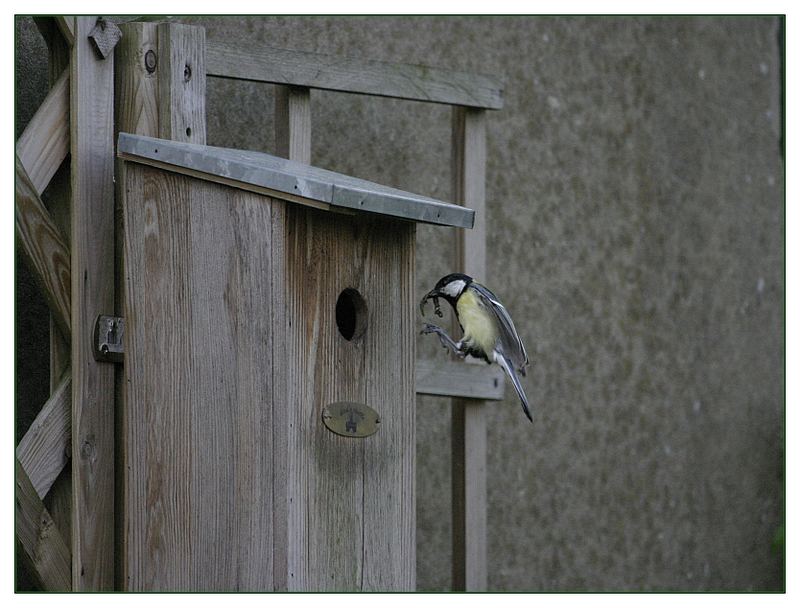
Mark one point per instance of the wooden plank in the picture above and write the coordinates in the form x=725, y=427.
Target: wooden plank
x=351, y=502
x=228, y=263
x=66, y=26
x=44, y=248
x=157, y=417
x=198, y=416
x=389, y=500
x=284, y=492
x=153, y=98
x=44, y=144
x=458, y=379
x=318, y=71
x=291, y=180
x=136, y=84
x=469, y=415
x=469, y=187
x=181, y=82
x=58, y=203
x=43, y=451
x=135, y=111
x=225, y=181
x=293, y=123
x=91, y=145
x=40, y=539
x=59, y=499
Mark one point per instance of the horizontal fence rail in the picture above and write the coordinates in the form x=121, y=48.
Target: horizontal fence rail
x=318, y=71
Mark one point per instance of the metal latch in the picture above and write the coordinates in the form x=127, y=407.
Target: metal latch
x=108, y=335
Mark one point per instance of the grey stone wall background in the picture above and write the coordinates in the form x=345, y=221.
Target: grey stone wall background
x=636, y=233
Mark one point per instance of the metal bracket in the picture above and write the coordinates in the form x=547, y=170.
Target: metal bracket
x=108, y=335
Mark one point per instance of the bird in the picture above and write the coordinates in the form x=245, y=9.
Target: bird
x=487, y=328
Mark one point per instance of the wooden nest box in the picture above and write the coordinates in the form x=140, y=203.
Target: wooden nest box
x=267, y=429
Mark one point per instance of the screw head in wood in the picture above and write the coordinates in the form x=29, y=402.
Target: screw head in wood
x=150, y=61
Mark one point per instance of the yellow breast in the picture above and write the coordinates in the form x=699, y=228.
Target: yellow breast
x=479, y=326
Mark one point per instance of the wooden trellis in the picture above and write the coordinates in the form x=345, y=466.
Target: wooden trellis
x=68, y=451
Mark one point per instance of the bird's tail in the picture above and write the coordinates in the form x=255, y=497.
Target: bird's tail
x=508, y=368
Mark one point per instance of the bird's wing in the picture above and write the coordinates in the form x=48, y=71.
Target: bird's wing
x=509, y=341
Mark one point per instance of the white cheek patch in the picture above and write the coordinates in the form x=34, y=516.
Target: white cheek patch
x=454, y=288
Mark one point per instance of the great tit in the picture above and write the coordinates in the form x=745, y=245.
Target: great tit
x=487, y=328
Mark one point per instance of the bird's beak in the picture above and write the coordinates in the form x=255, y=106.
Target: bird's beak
x=433, y=293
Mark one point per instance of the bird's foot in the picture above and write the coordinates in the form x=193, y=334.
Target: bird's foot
x=447, y=341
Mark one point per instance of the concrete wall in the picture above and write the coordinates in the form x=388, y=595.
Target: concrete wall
x=636, y=234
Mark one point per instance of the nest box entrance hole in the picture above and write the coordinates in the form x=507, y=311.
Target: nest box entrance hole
x=351, y=314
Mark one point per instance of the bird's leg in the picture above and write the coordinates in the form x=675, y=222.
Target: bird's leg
x=446, y=340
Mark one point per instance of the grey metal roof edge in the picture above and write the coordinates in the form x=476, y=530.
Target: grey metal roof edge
x=298, y=179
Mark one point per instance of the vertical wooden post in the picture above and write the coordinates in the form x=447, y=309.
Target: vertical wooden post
x=293, y=123
x=136, y=79
x=181, y=82
x=292, y=141
x=160, y=81
x=92, y=247
x=160, y=87
x=469, y=415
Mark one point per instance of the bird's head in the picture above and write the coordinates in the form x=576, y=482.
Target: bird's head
x=449, y=287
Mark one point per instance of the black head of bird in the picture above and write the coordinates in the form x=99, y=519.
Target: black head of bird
x=488, y=331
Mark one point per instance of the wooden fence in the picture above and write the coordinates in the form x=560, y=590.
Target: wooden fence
x=157, y=88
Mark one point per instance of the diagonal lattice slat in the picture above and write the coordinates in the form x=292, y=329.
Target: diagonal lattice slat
x=43, y=451
x=44, y=144
x=40, y=539
x=44, y=247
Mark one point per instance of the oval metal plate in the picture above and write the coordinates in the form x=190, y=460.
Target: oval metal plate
x=350, y=419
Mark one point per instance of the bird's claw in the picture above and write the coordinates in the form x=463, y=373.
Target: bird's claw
x=447, y=341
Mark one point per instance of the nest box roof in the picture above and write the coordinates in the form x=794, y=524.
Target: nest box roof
x=289, y=180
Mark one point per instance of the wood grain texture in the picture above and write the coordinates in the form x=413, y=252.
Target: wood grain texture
x=136, y=87
x=57, y=198
x=135, y=111
x=351, y=502
x=455, y=379
x=44, y=143
x=198, y=412
x=232, y=480
x=40, y=539
x=44, y=248
x=293, y=123
x=156, y=418
x=181, y=75
x=43, y=451
x=159, y=102
x=58, y=204
x=389, y=550
x=91, y=145
x=469, y=415
x=318, y=71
